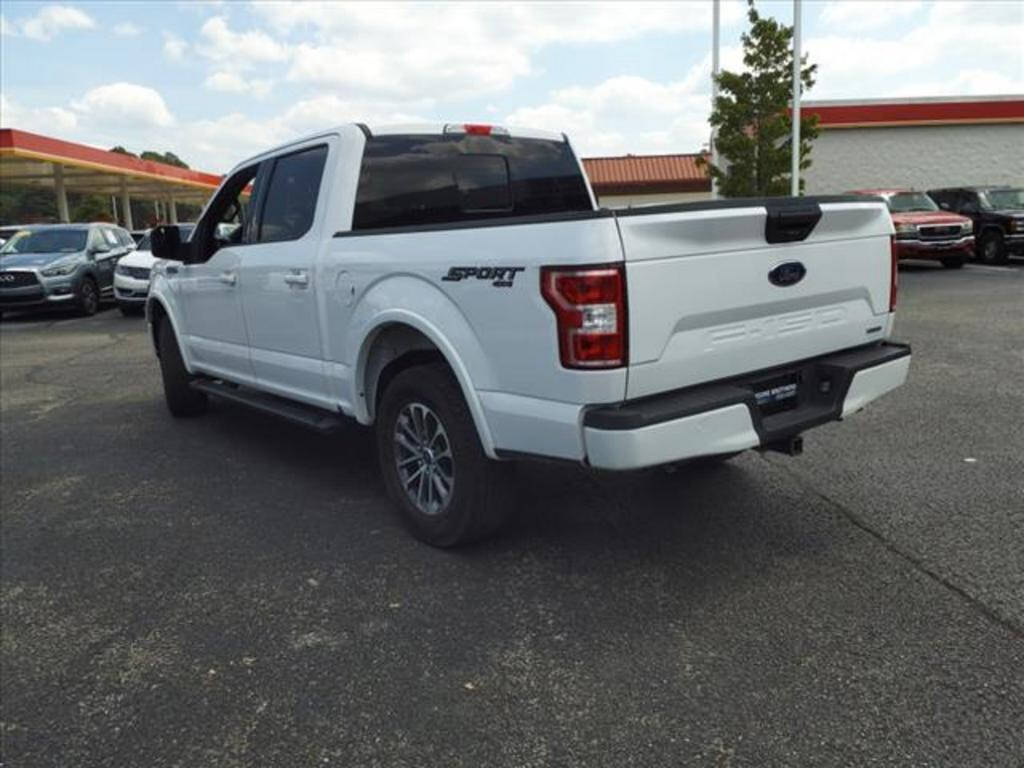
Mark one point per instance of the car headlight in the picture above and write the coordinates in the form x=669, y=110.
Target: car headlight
x=1016, y=225
x=121, y=269
x=967, y=228
x=60, y=269
x=906, y=229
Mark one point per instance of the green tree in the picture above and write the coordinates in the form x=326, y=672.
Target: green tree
x=90, y=207
x=27, y=205
x=751, y=114
x=168, y=158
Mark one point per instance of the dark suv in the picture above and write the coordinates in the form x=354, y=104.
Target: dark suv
x=998, y=216
x=61, y=265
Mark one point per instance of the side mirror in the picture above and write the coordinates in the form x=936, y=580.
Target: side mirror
x=165, y=243
x=944, y=206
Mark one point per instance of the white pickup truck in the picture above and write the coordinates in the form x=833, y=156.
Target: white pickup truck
x=458, y=287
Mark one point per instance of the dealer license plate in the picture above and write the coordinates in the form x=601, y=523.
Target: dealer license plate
x=777, y=394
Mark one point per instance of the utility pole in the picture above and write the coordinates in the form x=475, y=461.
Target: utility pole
x=715, y=24
x=795, y=171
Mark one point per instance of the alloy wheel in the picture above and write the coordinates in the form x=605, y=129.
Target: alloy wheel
x=423, y=458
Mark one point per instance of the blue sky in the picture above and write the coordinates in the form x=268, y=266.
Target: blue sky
x=217, y=81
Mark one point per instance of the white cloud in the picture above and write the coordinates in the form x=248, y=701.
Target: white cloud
x=456, y=50
x=404, y=72
x=967, y=82
x=174, y=47
x=48, y=120
x=321, y=112
x=232, y=82
x=984, y=36
x=860, y=15
x=238, y=50
x=631, y=114
x=125, y=104
x=51, y=19
x=127, y=29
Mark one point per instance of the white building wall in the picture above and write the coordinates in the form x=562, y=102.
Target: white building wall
x=662, y=198
x=916, y=156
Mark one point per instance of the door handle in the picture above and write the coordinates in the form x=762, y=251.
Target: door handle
x=301, y=279
x=228, y=278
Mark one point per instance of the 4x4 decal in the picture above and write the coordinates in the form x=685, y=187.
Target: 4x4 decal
x=501, y=277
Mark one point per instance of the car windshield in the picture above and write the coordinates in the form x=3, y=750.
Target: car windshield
x=909, y=202
x=996, y=199
x=45, y=241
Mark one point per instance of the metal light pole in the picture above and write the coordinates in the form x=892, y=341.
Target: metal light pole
x=715, y=23
x=795, y=170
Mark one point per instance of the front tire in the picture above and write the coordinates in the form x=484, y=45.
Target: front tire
x=181, y=399
x=88, y=297
x=435, y=470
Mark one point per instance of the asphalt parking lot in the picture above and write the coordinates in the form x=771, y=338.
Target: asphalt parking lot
x=232, y=590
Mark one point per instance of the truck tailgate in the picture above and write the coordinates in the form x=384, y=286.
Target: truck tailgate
x=702, y=306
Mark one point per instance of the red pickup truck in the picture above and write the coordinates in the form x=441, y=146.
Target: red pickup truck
x=923, y=230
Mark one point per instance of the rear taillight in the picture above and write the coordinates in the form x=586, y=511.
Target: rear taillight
x=894, y=274
x=590, y=307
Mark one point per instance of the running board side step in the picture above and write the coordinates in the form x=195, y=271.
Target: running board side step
x=297, y=413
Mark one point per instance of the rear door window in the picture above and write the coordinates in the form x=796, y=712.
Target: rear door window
x=292, y=192
x=415, y=180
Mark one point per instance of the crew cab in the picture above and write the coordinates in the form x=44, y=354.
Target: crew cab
x=923, y=230
x=457, y=287
x=998, y=216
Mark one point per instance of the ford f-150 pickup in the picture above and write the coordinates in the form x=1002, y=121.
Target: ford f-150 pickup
x=457, y=287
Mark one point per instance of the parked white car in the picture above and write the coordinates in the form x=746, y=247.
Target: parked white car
x=457, y=287
x=131, y=277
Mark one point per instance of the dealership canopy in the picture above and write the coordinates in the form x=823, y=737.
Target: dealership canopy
x=28, y=159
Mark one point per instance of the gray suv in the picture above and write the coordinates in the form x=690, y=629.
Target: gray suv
x=61, y=265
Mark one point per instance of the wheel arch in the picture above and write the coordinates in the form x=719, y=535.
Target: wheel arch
x=157, y=312
x=397, y=341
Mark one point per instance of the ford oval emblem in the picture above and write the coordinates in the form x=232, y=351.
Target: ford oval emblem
x=787, y=273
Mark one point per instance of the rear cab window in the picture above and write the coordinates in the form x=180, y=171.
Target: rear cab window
x=416, y=180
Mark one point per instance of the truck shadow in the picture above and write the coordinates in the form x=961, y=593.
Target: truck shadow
x=696, y=512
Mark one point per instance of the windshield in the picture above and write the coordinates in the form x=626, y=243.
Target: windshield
x=996, y=199
x=46, y=241
x=184, y=229
x=908, y=202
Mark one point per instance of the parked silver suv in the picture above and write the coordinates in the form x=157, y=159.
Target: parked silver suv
x=56, y=265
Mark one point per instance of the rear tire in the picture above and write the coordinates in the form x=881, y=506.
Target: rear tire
x=182, y=400
x=434, y=468
x=953, y=263
x=88, y=297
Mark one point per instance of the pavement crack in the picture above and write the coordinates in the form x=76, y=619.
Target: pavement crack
x=918, y=563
